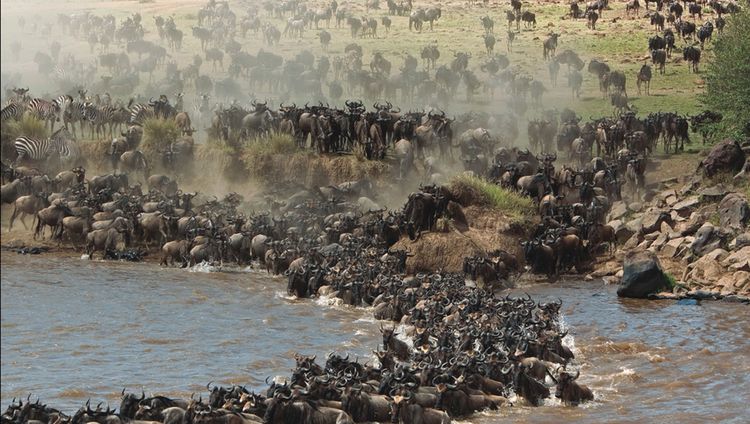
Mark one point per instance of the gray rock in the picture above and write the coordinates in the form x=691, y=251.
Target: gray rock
x=685, y=207
x=642, y=275
x=626, y=231
x=632, y=242
x=635, y=206
x=714, y=193
x=740, y=241
x=672, y=248
x=660, y=241
x=652, y=220
x=734, y=211
x=726, y=156
x=619, y=209
x=651, y=236
x=665, y=228
x=706, y=240
x=718, y=254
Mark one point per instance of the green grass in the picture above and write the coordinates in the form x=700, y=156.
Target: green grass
x=158, y=134
x=671, y=281
x=488, y=194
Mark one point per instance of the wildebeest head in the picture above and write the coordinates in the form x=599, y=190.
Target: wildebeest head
x=129, y=403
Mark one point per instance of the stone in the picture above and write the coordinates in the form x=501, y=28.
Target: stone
x=744, y=174
x=692, y=225
x=713, y=193
x=726, y=156
x=739, y=256
x=665, y=228
x=705, y=240
x=631, y=243
x=671, y=200
x=660, y=241
x=685, y=207
x=642, y=275
x=672, y=248
x=618, y=210
x=718, y=254
x=622, y=232
x=652, y=220
x=635, y=206
x=740, y=241
x=705, y=270
x=734, y=211
x=666, y=194
x=619, y=273
x=607, y=269
x=651, y=236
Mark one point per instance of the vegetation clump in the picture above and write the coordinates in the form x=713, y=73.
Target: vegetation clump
x=472, y=190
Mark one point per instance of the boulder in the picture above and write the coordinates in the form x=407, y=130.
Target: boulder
x=687, y=206
x=692, y=225
x=706, y=240
x=744, y=174
x=665, y=228
x=738, y=260
x=718, y=254
x=618, y=210
x=738, y=282
x=622, y=232
x=660, y=241
x=635, y=206
x=642, y=275
x=734, y=211
x=671, y=200
x=651, y=220
x=705, y=270
x=726, y=156
x=740, y=241
x=672, y=248
x=632, y=242
x=713, y=193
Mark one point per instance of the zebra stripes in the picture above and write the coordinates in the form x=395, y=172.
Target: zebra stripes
x=100, y=116
x=12, y=111
x=61, y=143
x=45, y=110
x=140, y=112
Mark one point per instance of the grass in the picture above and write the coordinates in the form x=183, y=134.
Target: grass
x=28, y=126
x=671, y=281
x=158, y=134
x=482, y=192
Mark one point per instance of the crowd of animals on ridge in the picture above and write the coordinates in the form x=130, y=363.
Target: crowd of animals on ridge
x=222, y=33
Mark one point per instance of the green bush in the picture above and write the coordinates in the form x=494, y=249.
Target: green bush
x=158, y=134
x=486, y=193
x=728, y=78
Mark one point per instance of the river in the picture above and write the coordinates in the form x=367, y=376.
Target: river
x=76, y=329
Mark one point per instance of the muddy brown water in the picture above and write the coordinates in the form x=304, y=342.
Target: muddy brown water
x=76, y=329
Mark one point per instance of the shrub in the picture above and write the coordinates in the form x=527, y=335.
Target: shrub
x=158, y=134
x=728, y=78
x=475, y=190
x=28, y=126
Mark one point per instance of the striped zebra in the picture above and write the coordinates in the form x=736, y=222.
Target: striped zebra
x=44, y=110
x=141, y=112
x=75, y=112
x=11, y=111
x=61, y=144
x=98, y=117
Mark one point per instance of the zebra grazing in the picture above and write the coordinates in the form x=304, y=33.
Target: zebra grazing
x=61, y=144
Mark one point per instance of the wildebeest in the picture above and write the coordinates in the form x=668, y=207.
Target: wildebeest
x=550, y=45
x=570, y=392
x=692, y=55
x=644, y=78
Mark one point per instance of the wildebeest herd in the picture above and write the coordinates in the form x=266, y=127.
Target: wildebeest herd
x=125, y=53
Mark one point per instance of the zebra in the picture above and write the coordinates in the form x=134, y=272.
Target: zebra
x=10, y=111
x=61, y=143
x=140, y=112
x=100, y=116
x=45, y=110
x=75, y=112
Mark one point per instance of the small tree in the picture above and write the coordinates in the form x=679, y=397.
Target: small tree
x=728, y=77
